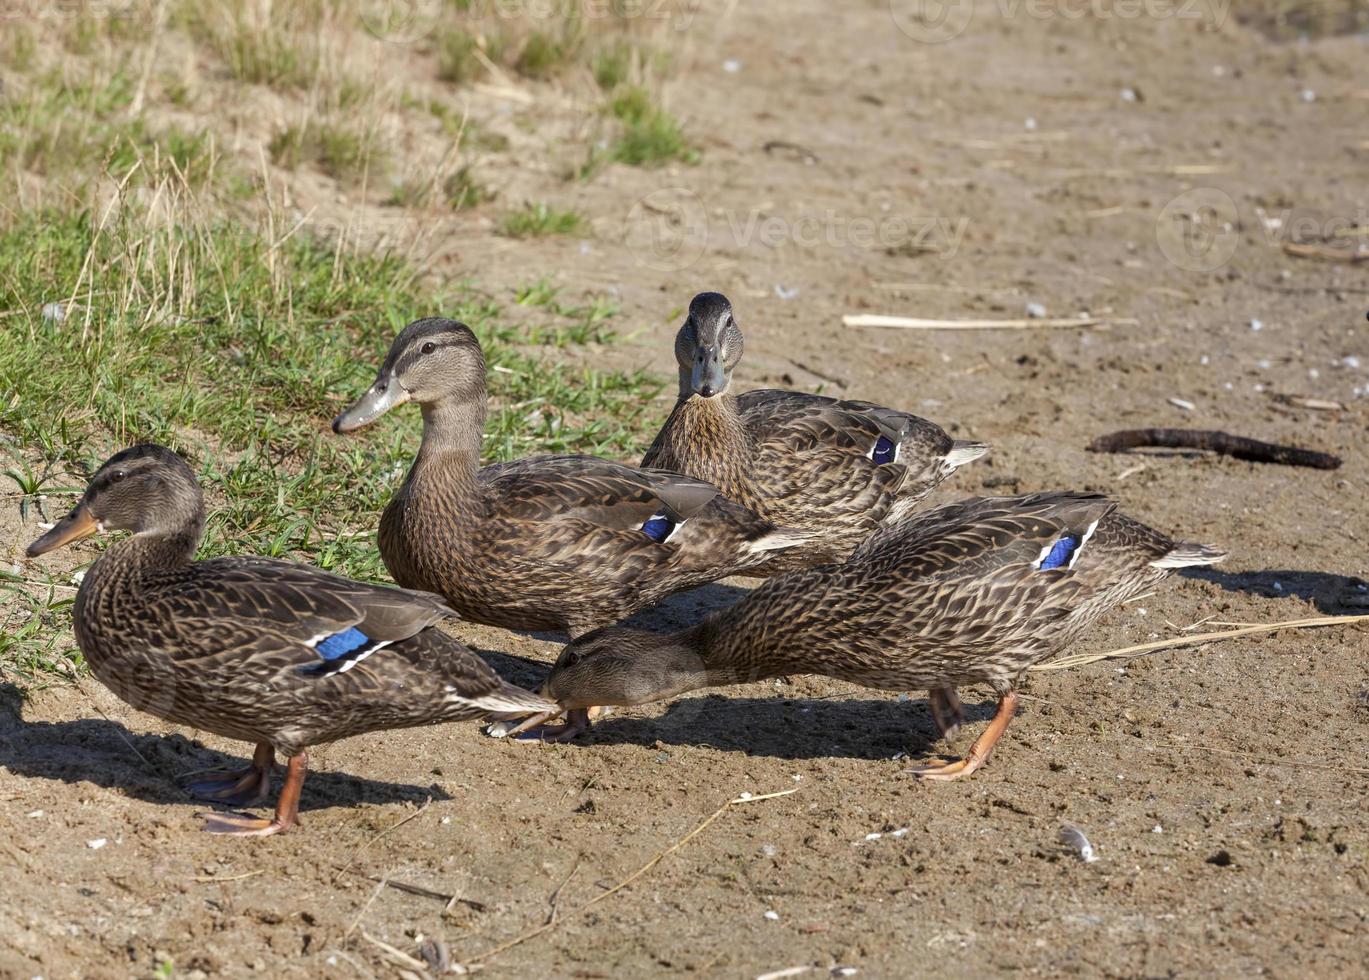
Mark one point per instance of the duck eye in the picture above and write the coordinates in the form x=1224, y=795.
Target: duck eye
x=428, y=348
x=572, y=657
x=116, y=476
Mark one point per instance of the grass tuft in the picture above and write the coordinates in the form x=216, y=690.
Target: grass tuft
x=650, y=136
x=538, y=220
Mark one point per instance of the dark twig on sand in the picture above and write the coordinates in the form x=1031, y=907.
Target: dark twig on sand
x=1218, y=442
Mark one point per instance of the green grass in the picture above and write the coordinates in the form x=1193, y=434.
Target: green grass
x=650, y=136
x=338, y=151
x=538, y=220
x=196, y=333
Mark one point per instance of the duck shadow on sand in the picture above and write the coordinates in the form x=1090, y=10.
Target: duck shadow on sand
x=1333, y=595
x=152, y=767
x=795, y=728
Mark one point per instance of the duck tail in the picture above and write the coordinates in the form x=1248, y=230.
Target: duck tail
x=964, y=451
x=780, y=539
x=1186, y=554
x=508, y=701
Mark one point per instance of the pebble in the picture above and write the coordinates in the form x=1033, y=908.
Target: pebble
x=1157, y=829
x=96, y=844
x=732, y=66
x=54, y=312
x=1128, y=95
x=34, y=813
x=784, y=292
x=769, y=850
x=1036, y=311
x=1350, y=361
x=1307, y=95
x=1029, y=124
x=1184, y=404
x=1256, y=324
x=1204, y=360
x=772, y=915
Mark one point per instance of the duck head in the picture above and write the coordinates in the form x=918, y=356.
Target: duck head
x=145, y=488
x=623, y=666
x=708, y=346
x=432, y=360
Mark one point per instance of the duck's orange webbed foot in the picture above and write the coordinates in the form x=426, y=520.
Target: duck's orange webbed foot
x=287, y=808
x=941, y=769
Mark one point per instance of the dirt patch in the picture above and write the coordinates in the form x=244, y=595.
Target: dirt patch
x=1223, y=789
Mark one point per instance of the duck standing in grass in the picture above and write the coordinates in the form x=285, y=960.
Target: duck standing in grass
x=838, y=469
x=971, y=593
x=266, y=651
x=547, y=542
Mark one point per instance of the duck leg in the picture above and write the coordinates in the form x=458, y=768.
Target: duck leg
x=536, y=729
x=246, y=787
x=979, y=751
x=947, y=711
x=287, y=808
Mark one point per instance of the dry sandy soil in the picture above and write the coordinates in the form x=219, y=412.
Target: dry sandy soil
x=1223, y=788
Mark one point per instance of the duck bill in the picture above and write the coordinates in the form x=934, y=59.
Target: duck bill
x=382, y=396
x=80, y=523
x=707, y=378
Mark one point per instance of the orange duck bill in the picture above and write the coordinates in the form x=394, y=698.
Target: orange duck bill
x=80, y=523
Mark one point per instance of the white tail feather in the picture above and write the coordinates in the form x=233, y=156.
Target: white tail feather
x=507, y=700
x=1186, y=554
x=963, y=451
x=779, y=539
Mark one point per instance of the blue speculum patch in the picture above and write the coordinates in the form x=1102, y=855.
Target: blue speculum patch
x=341, y=644
x=1060, y=552
x=885, y=450
x=658, y=528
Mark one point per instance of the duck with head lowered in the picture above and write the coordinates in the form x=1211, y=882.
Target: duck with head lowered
x=971, y=593
x=837, y=469
x=546, y=542
x=279, y=654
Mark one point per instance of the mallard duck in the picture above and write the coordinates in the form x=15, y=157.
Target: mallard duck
x=282, y=655
x=971, y=593
x=547, y=542
x=838, y=469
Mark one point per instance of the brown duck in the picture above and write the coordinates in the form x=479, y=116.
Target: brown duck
x=270, y=652
x=838, y=469
x=543, y=543
x=972, y=593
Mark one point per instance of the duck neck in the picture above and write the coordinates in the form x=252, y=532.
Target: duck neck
x=450, y=454
x=709, y=441
x=153, y=551
x=725, y=658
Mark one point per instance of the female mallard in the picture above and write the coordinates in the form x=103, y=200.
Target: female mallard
x=972, y=593
x=838, y=469
x=266, y=651
x=547, y=542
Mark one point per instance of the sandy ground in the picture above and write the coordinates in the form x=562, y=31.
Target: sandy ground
x=1223, y=788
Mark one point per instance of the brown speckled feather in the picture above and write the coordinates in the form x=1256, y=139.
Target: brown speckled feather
x=228, y=645
x=949, y=597
x=546, y=542
x=798, y=459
